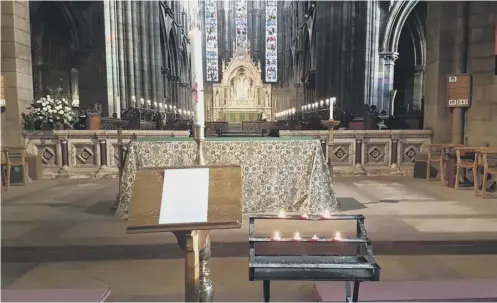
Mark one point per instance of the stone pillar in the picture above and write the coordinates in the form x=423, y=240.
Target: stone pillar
x=175, y=90
x=299, y=95
x=16, y=68
x=418, y=88
x=388, y=59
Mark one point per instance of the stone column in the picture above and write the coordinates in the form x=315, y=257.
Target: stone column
x=175, y=91
x=16, y=68
x=388, y=59
x=299, y=95
x=418, y=88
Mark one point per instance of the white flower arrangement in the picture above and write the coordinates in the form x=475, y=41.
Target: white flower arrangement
x=53, y=110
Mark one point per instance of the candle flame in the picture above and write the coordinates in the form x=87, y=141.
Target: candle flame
x=276, y=235
x=338, y=236
x=281, y=214
x=297, y=236
x=315, y=237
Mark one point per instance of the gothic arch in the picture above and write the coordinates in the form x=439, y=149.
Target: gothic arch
x=419, y=38
x=396, y=20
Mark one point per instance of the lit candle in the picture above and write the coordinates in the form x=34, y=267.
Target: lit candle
x=198, y=79
x=276, y=236
x=118, y=107
x=338, y=236
x=149, y=102
x=326, y=214
x=133, y=100
x=305, y=216
x=332, y=105
x=142, y=101
x=297, y=236
x=281, y=214
x=315, y=238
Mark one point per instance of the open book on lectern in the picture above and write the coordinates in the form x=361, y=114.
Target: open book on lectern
x=186, y=198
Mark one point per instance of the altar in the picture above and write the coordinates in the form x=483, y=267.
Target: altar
x=277, y=173
x=241, y=95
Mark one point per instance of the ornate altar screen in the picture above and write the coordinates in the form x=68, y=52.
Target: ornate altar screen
x=241, y=95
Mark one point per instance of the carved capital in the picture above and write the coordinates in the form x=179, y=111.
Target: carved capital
x=419, y=69
x=389, y=57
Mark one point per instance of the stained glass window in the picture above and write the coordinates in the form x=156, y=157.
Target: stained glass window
x=241, y=22
x=211, y=49
x=271, y=41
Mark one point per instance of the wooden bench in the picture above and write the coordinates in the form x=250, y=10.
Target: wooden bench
x=55, y=295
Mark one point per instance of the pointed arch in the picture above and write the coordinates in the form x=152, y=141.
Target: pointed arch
x=396, y=20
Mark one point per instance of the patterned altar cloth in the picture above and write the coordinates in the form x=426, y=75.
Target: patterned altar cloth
x=277, y=173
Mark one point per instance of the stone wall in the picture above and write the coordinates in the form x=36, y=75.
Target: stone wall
x=16, y=68
x=450, y=50
x=94, y=154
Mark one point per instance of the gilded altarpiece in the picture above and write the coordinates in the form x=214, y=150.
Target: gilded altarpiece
x=242, y=94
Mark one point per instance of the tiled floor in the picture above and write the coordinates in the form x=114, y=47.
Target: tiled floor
x=61, y=234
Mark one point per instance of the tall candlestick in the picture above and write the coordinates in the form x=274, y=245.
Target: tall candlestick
x=198, y=79
x=332, y=105
x=118, y=107
x=198, y=92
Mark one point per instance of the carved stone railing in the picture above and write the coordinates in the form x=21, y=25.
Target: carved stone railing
x=371, y=152
x=83, y=153
x=93, y=154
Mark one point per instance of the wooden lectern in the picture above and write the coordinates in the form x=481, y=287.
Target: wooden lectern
x=186, y=200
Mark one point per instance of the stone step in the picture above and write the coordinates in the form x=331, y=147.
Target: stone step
x=436, y=290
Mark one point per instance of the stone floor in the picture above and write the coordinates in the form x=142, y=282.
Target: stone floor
x=60, y=234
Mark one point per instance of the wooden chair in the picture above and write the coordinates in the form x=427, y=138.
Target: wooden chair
x=488, y=168
x=435, y=154
x=467, y=164
x=15, y=157
x=444, y=154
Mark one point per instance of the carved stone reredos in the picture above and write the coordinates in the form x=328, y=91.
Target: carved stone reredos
x=241, y=59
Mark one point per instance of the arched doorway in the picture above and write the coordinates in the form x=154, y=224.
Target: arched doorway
x=59, y=39
x=404, y=58
x=409, y=67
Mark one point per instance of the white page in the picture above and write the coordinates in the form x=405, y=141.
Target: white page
x=185, y=195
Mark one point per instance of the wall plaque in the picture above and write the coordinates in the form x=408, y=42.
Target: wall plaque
x=183, y=199
x=459, y=90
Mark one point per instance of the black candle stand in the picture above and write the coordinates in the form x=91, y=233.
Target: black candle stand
x=330, y=267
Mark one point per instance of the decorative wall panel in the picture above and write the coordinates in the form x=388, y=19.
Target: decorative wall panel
x=376, y=152
x=84, y=153
x=271, y=41
x=211, y=47
x=241, y=22
x=408, y=149
x=343, y=152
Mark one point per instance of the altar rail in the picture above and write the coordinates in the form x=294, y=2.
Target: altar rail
x=83, y=153
x=370, y=152
x=93, y=154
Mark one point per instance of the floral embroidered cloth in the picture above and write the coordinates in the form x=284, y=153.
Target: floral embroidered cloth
x=278, y=173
